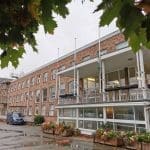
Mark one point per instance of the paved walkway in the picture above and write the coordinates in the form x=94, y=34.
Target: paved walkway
x=31, y=138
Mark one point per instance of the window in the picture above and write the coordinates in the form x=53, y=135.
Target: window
x=17, y=98
x=36, y=110
x=90, y=113
x=38, y=79
x=44, y=94
x=31, y=95
x=62, y=89
x=32, y=80
x=19, y=86
x=67, y=112
x=81, y=112
x=72, y=63
x=90, y=124
x=80, y=123
x=26, y=96
x=109, y=112
x=37, y=95
x=122, y=45
x=61, y=68
x=100, y=112
x=52, y=92
x=102, y=52
x=125, y=113
x=23, y=84
x=30, y=111
x=132, y=72
x=28, y=83
x=139, y=113
x=86, y=58
x=22, y=97
x=53, y=74
x=43, y=110
x=51, y=110
x=71, y=87
x=45, y=77
x=71, y=123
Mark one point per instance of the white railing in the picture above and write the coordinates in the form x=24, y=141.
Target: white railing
x=90, y=96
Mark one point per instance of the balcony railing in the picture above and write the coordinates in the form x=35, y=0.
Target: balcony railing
x=93, y=96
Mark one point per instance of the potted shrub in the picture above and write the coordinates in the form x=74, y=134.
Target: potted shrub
x=67, y=131
x=114, y=138
x=59, y=129
x=143, y=141
x=38, y=120
x=99, y=136
x=45, y=126
x=130, y=139
x=49, y=127
x=77, y=132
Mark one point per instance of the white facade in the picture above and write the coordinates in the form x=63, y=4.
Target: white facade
x=112, y=89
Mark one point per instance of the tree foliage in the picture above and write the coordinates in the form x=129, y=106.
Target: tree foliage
x=132, y=18
x=19, y=21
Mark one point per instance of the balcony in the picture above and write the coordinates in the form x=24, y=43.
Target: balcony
x=92, y=96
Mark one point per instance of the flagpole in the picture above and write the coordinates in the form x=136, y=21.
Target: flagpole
x=57, y=87
x=99, y=59
x=75, y=40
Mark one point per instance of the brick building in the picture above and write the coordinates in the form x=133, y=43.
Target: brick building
x=4, y=85
x=96, y=84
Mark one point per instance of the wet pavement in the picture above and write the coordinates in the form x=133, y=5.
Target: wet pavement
x=31, y=138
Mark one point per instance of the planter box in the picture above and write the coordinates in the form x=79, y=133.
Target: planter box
x=49, y=131
x=112, y=142
x=143, y=146
x=132, y=146
x=115, y=142
x=139, y=146
x=67, y=133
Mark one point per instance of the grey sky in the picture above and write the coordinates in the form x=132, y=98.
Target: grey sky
x=81, y=23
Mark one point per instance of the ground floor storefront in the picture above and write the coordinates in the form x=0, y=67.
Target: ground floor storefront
x=88, y=119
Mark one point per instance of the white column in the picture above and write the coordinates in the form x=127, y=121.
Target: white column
x=57, y=116
x=77, y=118
x=103, y=81
x=78, y=78
x=134, y=118
x=100, y=76
x=147, y=121
x=104, y=115
x=138, y=70
x=143, y=81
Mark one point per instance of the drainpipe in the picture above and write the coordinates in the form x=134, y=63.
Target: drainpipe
x=103, y=81
x=78, y=86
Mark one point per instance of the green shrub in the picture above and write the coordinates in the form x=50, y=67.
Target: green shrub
x=112, y=134
x=38, y=119
x=144, y=137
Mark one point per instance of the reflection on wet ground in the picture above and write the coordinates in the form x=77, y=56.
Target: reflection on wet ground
x=31, y=138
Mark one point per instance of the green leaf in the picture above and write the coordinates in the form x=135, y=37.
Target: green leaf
x=134, y=41
x=111, y=12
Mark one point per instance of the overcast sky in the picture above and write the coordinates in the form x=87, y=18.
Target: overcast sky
x=81, y=23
